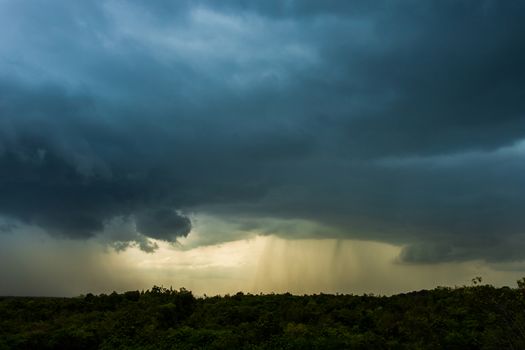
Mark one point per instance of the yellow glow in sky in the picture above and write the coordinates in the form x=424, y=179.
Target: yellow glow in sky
x=259, y=264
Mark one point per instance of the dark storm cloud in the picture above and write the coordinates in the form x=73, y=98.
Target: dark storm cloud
x=164, y=224
x=401, y=122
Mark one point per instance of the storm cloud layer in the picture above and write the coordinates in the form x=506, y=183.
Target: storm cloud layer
x=401, y=122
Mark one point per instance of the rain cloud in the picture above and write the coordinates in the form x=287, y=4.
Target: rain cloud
x=399, y=122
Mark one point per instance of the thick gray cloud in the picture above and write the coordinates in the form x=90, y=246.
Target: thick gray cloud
x=401, y=122
x=163, y=223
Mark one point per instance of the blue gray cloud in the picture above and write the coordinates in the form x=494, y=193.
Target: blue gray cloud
x=401, y=122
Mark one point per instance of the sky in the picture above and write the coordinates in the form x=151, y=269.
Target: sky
x=264, y=146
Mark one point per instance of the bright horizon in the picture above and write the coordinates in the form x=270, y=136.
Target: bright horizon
x=260, y=264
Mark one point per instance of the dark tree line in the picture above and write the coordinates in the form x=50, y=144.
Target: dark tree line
x=476, y=317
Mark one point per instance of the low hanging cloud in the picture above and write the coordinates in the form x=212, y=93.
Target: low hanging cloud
x=164, y=224
x=402, y=123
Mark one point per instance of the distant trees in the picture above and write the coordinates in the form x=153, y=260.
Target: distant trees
x=475, y=317
x=521, y=284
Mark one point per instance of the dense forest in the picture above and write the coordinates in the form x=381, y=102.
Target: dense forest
x=468, y=317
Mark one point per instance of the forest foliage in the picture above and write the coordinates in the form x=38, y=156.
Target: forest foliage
x=468, y=317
